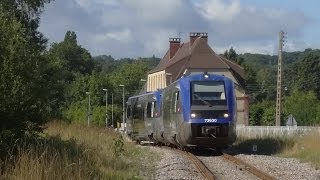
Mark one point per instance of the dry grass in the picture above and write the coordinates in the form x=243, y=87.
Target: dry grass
x=73, y=152
x=306, y=148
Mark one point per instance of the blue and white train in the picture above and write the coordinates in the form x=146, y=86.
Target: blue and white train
x=195, y=111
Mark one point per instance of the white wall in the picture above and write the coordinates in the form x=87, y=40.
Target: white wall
x=274, y=131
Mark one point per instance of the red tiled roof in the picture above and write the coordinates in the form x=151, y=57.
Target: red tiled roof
x=197, y=56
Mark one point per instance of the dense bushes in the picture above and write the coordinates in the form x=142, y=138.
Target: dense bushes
x=304, y=106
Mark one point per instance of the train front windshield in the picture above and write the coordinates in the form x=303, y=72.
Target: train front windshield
x=208, y=99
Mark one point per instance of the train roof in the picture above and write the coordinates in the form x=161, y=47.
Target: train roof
x=146, y=94
x=200, y=77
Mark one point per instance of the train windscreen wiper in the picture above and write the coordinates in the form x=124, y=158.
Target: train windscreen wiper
x=201, y=99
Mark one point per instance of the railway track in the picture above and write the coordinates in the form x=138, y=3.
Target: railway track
x=203, y=169
x=209, y=174
x=248, y=167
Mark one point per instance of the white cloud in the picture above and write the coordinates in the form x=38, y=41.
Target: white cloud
x=234, y=23
x=296, y=45
x=158, y=43
x=142, y=27
x=264, y=48
x=219, y=11
x=122, y=36
x=92, y=5
x=160, y=10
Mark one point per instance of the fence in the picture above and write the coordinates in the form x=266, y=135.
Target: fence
x=274, y=131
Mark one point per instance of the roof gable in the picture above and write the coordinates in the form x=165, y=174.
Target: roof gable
x=199, y=55
x=203, y=57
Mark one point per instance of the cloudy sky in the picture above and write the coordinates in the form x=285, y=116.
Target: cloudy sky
x=138, y=28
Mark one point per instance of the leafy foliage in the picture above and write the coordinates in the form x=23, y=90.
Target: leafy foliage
x=23, y=99
x=301, y=84
x=232, y=55
x=303, y=106
x=118, y=146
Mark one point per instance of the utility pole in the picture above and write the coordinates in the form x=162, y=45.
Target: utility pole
x=112, y=110
x=279, y=79
x=89, y=108
x=106, y=90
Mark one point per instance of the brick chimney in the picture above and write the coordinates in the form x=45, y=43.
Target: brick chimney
x=174, y=46
x=195, y=35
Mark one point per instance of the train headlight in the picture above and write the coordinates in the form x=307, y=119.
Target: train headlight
x=206, y=76
x=193, y=115
x=225, y=115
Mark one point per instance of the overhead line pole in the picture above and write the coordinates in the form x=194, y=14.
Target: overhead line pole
x=279, y=80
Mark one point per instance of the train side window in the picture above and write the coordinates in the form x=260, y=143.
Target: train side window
x=150, y=109
x=138, y=112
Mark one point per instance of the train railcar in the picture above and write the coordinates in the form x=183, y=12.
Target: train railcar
x=143, y=113
x=199, y=111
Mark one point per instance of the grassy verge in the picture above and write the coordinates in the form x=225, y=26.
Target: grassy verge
x=263, y=146
x=74, y=152
x=306, y=148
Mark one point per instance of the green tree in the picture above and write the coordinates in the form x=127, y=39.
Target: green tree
x=68, y=61
x=232, y=55
x=306, y=74
x=266, y=84
x=303, y=106
x=262, y=113
x=24, y=104
x=130, y=76
x=71, y=57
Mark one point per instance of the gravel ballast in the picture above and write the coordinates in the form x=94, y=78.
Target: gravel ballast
x=174, y=165
x=282, y=168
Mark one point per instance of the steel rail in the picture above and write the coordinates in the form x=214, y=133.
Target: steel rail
x=204, y=170
x=260, y=174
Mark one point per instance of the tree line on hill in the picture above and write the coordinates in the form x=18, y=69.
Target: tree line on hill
x=300, y=86
x=39, y=83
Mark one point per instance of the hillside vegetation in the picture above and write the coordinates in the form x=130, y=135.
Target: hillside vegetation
x=300, y=86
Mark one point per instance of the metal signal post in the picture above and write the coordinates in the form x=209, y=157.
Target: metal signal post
x=279, y=80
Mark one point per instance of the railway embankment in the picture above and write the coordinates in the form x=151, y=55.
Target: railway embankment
x=67, y=151
x=281, y=157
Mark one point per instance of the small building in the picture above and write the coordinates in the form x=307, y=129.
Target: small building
x=193, y=57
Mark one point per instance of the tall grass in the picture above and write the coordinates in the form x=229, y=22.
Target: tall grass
x=73, y=152
x=306, y=148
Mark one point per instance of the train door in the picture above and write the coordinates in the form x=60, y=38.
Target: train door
x=150, y=109
x=138, y=118
x=129, y=117
x=166, y=110
x=176, y=110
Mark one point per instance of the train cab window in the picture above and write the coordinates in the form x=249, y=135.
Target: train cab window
x=208, y=93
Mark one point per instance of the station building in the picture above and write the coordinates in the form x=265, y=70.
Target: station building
x=195, y=56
